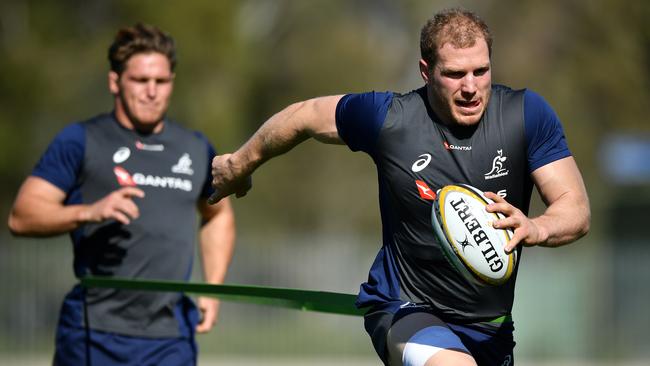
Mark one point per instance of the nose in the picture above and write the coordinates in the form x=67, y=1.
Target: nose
x=152, y=89
x=468, y=86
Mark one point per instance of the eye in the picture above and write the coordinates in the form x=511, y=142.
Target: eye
x=454, y=74
x=139, y=80
x=481, y=71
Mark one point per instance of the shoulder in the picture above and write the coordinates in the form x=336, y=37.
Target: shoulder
x=363, y=103
x=180, y=130
x=538, y=113
x=544, y=132
x=506, y=94
x=360, y=116
x=73, y=136
x=72, y=132
x=188, y=135
x=536, y=104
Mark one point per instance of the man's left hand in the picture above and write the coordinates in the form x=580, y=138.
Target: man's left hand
x=525, y=230
x=209, y=308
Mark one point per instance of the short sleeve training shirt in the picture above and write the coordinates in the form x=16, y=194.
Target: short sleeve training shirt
x=416, y=154
x=90, y=159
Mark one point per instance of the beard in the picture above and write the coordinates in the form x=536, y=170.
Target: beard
x=142, y=120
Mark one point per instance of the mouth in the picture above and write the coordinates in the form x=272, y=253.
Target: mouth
x=468, y=106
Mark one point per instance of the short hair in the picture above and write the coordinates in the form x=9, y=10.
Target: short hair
x=457, y=26
x=140, y=38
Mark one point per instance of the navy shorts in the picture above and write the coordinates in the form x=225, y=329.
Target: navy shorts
x=490, y=343
x=77, y=345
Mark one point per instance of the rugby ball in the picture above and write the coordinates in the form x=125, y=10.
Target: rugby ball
x=465, y=233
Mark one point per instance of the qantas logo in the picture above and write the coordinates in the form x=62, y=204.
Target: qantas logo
x=149, y=147
x=138, y=179
x=425, y=192
x=123, y=177
x=421, y=163
x=449, y=146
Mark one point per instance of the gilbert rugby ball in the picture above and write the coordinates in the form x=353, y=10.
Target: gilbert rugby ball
x=465, y=233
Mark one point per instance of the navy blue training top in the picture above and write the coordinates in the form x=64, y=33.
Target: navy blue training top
x=88, y=160
x=416, y=154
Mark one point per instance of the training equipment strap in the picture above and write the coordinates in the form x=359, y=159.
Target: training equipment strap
x=321, y=301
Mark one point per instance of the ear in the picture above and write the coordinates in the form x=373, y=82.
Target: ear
x=113, y=82
x=424, y=71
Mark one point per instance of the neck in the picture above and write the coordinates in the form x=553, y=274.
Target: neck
x=437, y=108
x=128, y=122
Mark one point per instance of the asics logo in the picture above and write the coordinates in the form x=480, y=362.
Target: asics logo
x=121, y=155
x=421, y=163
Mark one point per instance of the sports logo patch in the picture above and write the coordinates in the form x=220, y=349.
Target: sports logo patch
x=449, y=146
x=421, y=163
x=123, y=177
x=121, y=155
x=498, y=168
x=424, y=190
x=184, y=165
x=149, y=147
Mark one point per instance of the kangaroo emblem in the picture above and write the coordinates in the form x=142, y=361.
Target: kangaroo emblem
x=498, y=168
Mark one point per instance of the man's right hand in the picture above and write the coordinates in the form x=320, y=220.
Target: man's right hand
x=228, y=178
x=118, y=205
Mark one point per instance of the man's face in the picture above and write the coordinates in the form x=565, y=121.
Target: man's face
x=142, y=91
x=460, y=83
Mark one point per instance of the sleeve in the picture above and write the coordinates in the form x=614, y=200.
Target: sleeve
x=207, y=189
x=360, y=117
x=544, y=134
x=62, y=161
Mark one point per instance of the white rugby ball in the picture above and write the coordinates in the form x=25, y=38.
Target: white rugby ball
x=465, y=233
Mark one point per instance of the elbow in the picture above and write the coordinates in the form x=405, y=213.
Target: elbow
x=16, y=226
x=585, y=225
x=22, y=225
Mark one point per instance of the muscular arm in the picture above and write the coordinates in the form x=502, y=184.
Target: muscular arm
x=567, y=215
x=217, y=239
x=313, y=118
x=217, y=242
x=291, y=126
x=39, y=210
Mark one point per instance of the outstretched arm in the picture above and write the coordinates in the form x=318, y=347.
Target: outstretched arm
x=217, y=242
x=567, y=215
x=39, y=209
x=313, y=118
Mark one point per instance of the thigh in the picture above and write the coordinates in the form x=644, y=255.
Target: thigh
x=422, y=339
x=489, y=343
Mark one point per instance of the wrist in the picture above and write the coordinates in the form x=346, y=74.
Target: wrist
x=83, y=215
x=542, y=231
x=243, y=163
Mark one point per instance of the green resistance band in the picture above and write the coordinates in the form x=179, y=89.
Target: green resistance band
x=321, y=301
